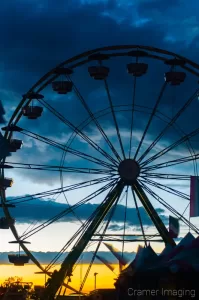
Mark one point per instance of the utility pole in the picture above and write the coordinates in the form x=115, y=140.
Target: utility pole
x=95, y=281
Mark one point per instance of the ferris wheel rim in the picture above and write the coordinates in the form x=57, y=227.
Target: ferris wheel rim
x=46, y=76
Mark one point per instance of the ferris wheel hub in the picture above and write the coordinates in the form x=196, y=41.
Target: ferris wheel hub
x=129, y=171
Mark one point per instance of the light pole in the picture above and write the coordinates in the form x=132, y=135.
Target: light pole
x=95, y=281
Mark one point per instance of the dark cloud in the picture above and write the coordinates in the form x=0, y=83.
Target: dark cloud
x=117, y=227
x=38, y=36
x=38, y=210
x=158, y=5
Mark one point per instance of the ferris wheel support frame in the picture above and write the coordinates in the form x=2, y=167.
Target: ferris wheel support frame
x=164, y=233
x=72, y=257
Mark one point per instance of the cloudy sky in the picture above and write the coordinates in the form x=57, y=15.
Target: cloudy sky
x=39, y=35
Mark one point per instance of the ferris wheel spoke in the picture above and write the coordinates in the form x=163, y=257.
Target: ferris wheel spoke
x=169, y=207
x=151, y=118
x=60, y=168
x=114, y=117
x=132, y=115
x=171, y=147
x=172, y=121
x=67, y=210
x=69, y=262
x=56, y=260
x=67, y=149
x=137, y=187
x=64, y=248
x=170, y=163
x=79, y=132
x=61, y=252
x=64, y=189
x=165, y=176
x=92, y=116
x=167, y=189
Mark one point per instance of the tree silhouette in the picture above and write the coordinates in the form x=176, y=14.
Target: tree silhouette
x=12, y=279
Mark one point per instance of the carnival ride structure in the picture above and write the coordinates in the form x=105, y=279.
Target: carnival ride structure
x=118, y=148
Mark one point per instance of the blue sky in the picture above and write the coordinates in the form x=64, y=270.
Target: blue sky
x=36, y=36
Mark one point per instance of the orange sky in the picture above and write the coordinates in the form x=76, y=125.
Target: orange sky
x=105, y=277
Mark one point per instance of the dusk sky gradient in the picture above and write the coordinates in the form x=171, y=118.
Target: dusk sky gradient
x=38, y=35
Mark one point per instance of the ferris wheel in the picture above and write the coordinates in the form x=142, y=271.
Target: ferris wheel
x=115, y=127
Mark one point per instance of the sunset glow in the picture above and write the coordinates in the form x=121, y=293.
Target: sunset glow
x=105, y=278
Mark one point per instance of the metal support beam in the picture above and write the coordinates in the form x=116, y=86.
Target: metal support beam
x=126, y=240
x=73, y=256
x=153, y=214
x=141, y=235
